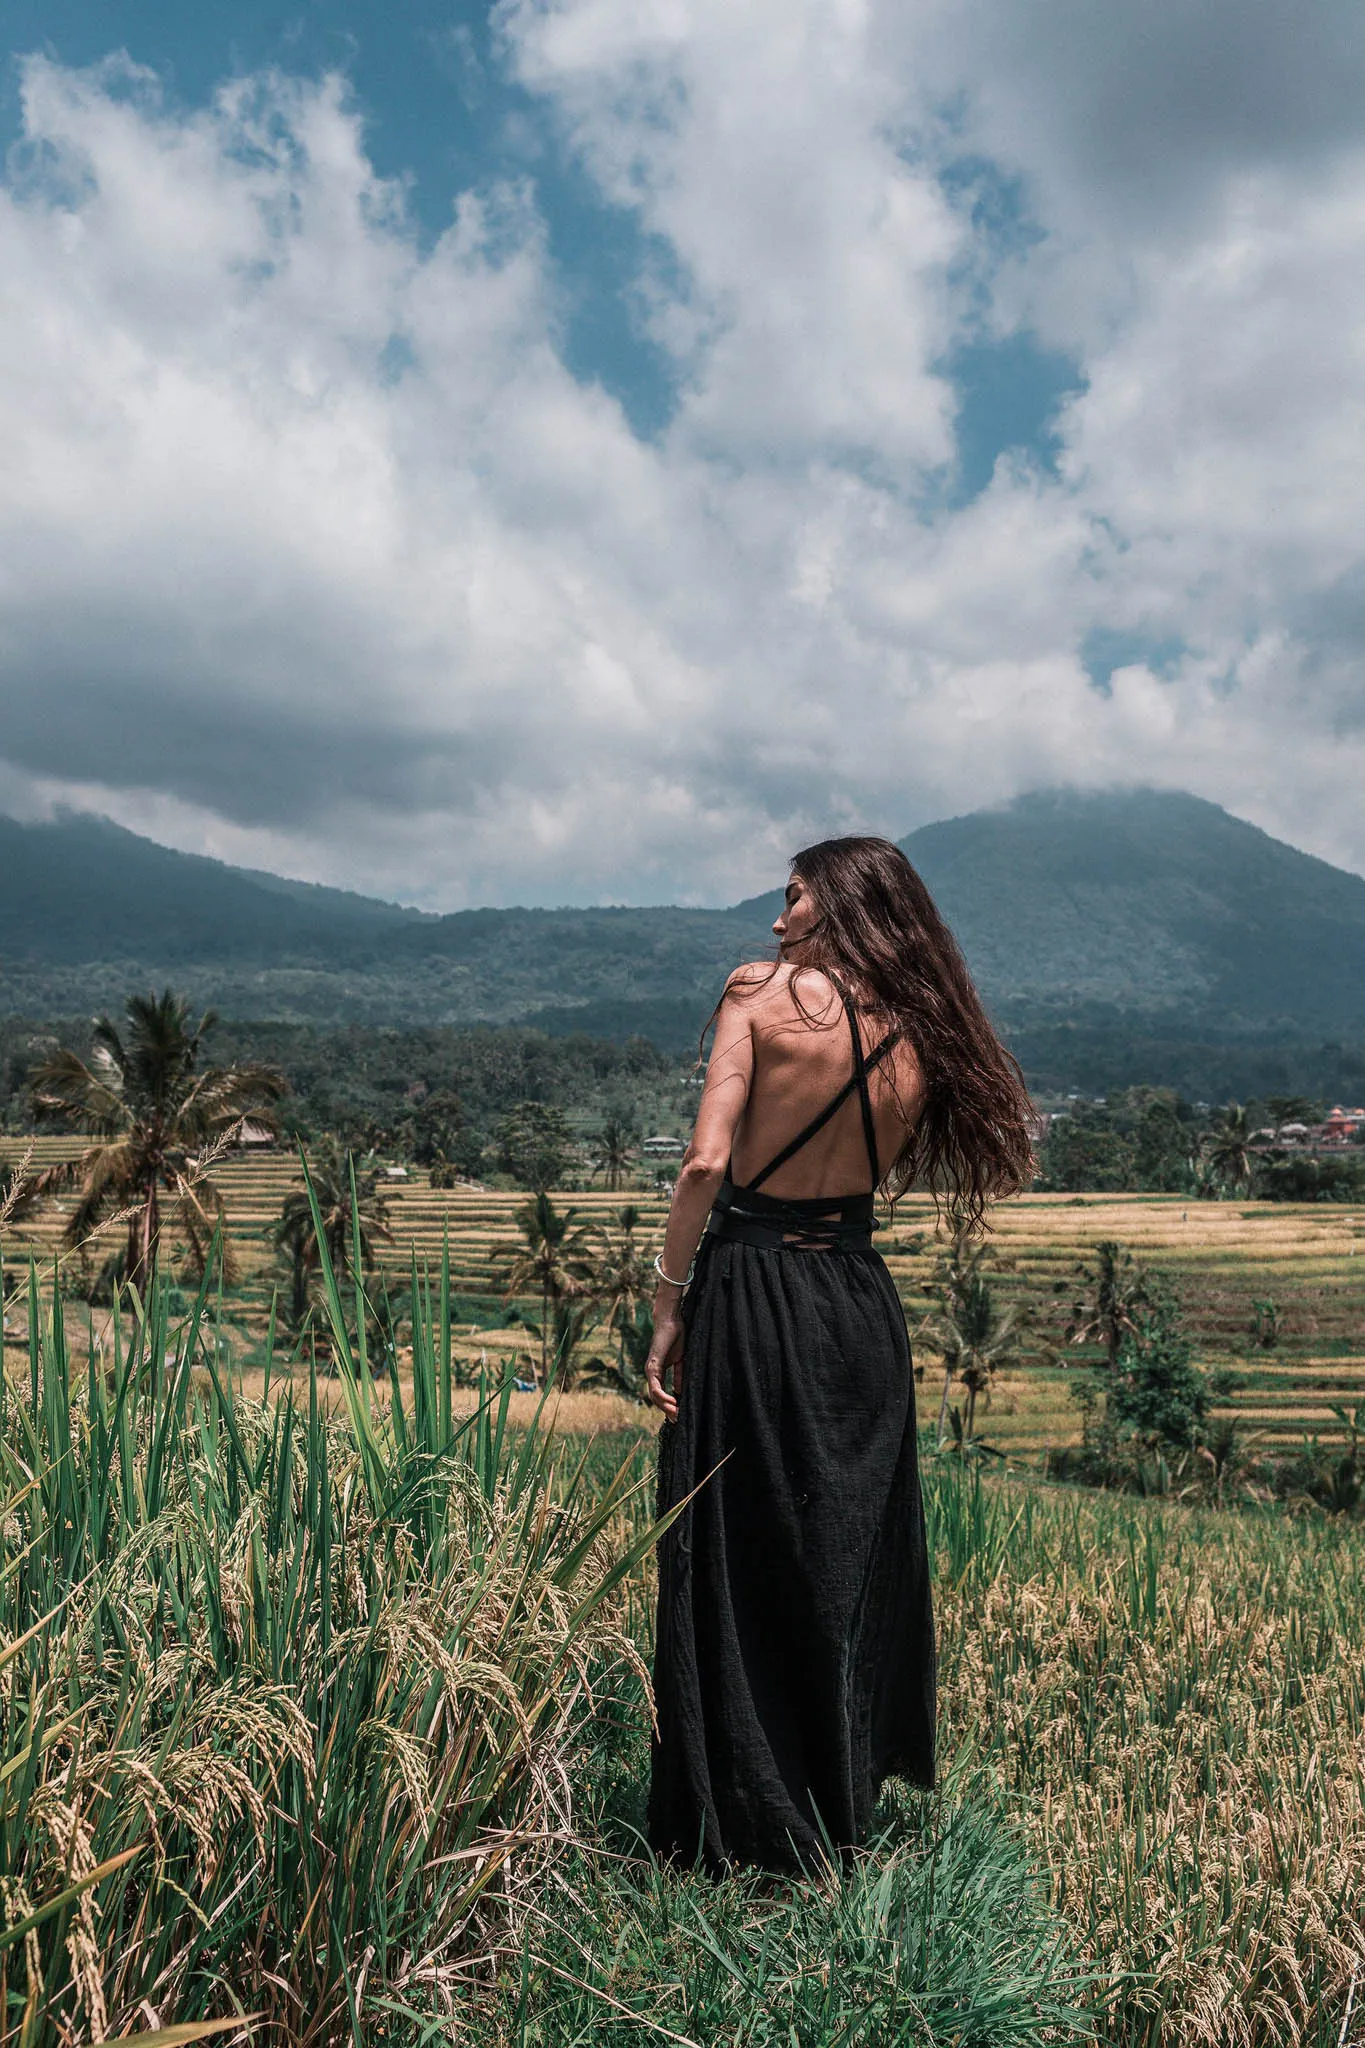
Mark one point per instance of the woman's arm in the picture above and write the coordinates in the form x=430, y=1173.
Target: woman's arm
x=728, y=1079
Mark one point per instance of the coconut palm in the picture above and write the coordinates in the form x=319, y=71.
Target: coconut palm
x=1227, y=1148
x=349, y=1205
x=1117, y=1290
x=626, y=1373
x=554, y=1260
x=573, y=1318
x=622, y=1280
x=157, y=1116
x=623, y=1273
x=614, y=1151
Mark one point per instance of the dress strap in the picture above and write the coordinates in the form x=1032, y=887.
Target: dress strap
x=857, y=1081
x=864, y=1096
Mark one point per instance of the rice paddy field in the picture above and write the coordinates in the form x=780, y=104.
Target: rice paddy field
x=1308, y=1261
x=1150, y=1826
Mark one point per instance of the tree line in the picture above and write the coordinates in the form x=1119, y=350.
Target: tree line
x=156, y=1118
x=1153, y=1141
x=380, y=1089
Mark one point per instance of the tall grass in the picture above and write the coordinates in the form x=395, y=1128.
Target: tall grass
x=287, y=1700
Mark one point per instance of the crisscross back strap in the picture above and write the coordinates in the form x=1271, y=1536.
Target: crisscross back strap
x=857, y=1080
x=864, y=1096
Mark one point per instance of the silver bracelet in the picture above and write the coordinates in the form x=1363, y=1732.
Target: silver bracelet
x=668, y=1277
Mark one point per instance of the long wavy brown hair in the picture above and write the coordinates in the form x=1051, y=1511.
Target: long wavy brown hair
x=880, y=938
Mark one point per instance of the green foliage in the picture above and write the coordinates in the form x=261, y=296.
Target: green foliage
x=615, y=1148
x=1104, y=1048
x=1157, y=1394
x=1140, y=1138
x=1265, y=1325
x=1227, y=1149
x=1114, y=1288
x=534, y=1145
x=555, y=1261
x=338, y=1208
x=621, y=1282
x=1083, y=1153
x=1302, y=1177
x=434, y=1134
x=634, y=1331
x=1292, y=1109
x=402, y=1091
x=1148, y=1395
x=938, y=1935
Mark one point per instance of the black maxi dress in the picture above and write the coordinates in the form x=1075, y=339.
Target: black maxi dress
x=794, y=1662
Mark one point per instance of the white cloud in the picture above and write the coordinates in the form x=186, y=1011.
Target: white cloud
x=314, y=555
x=760, y=144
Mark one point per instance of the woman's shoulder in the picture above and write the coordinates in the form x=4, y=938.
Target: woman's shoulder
x=781, y=988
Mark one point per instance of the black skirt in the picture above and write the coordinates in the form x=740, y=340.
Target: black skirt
x=794, y=1663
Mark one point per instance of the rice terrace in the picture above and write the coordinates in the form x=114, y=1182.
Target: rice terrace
x=325, y=1681
x=1227, y=1257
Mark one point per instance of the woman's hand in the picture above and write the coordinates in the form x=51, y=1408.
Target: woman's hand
x=665, y=1358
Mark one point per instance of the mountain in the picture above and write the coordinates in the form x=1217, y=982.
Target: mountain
x=82, y=890
x=1149, y=899
x=1136, y=905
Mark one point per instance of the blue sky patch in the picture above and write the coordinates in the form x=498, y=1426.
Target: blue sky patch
x=1009, y=394
x=439, y=113
x=1105, y=649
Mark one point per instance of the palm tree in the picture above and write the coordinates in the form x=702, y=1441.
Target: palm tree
x=1227, y=1148
x=622, y=1278
x=1118, y=1290
x=555, y=1261
x=331, y=1171
x=573, y=1317
x=615, y=1151
x=157, y=1117
x=634, y=1336
x=972, y=1333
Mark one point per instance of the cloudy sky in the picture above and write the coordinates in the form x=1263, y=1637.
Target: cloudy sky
x=579, y=451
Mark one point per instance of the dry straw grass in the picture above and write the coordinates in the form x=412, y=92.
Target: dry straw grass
x=1175, y=1705
x=582, y=1412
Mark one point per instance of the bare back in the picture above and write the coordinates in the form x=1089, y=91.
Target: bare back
x=800, y=1062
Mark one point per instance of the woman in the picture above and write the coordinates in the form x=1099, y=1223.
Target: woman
x=794, y=1667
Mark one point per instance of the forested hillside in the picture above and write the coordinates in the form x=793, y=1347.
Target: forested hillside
x=1118, y=936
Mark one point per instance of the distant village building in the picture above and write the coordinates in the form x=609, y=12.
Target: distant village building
x=1341, y=1126
x=252, y=1135
x=663, y=1148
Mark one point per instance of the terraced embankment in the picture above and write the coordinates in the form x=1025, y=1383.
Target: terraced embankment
x=1309, y=1261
